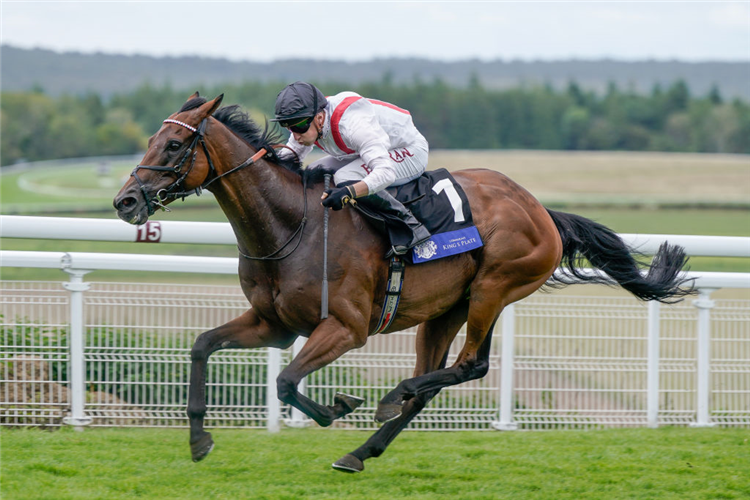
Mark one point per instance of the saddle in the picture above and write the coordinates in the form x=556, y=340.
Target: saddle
x=439, y=203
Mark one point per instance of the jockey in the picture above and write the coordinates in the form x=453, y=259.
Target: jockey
x=371, y=144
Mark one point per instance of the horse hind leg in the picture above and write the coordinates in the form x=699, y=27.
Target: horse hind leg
x=473, y=362
x=245, y=331
x=491, y=291
x=378, y=442
x=434, y=338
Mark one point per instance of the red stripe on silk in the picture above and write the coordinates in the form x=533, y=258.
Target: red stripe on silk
x=316, y=142
x=336, y=118
x=389, y=105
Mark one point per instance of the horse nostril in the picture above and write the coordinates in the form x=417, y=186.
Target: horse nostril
x=125, y=202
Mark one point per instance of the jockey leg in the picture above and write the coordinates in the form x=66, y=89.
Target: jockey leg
x=404, y=229
x=408, y=164
x=389, y=206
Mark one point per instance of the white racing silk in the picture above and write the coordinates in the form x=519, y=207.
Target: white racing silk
x=366, y=128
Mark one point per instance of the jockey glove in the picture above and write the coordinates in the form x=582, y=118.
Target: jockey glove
x=338, y=197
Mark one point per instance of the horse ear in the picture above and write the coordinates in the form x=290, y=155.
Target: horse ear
x=193, y=96
x=212, y=106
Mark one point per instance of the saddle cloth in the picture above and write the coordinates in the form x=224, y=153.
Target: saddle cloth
x=441, y=204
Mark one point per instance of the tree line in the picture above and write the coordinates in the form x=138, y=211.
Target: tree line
x=37, y=126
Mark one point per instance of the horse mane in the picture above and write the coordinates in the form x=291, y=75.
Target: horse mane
x=239, y=122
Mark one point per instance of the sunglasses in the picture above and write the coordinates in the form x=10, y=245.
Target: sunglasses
x=299, y=127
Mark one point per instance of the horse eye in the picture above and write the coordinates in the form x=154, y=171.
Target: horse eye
x=173, y=146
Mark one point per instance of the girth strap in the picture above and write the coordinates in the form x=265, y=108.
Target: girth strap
x=396, y=270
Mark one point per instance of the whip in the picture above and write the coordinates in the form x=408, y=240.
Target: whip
x=324, y=289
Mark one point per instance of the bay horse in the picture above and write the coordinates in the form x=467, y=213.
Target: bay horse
x=274, y=209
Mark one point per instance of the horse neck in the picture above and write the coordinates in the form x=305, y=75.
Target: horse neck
x=263, y=201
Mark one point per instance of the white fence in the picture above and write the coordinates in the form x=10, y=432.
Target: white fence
x=118, y=354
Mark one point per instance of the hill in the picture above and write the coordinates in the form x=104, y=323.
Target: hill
x=106, y=74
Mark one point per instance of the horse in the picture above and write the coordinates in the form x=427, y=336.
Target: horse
x=273, y=208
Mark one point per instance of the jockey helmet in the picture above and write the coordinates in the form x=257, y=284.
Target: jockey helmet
x=297, y=101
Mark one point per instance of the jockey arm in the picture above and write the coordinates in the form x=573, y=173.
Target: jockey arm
x=366, y=136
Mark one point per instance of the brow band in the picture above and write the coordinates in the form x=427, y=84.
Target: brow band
x=178, y=122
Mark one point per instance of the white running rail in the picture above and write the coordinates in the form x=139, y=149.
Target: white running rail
x=220, y=233
x=525, y=401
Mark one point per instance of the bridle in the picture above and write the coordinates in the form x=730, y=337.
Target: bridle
x=158, y=200
x=173, y=190
x=177, y=189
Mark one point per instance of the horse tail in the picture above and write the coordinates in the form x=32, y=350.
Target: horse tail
x=585, y=240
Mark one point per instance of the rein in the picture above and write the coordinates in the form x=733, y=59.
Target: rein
x=169, y=191
x=300, y=230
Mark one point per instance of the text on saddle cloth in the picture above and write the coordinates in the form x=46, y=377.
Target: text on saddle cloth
x=441, y=204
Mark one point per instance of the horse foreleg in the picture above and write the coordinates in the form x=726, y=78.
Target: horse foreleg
x=434, y=338
x=327, y=342
x=245, y=331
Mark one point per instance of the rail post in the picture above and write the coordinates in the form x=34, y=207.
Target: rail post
x=272, y=395
x=652, y=400
x=703, y=392
x=77, y=381
x=508, y=318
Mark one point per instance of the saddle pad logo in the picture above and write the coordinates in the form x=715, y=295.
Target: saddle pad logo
x=425, y=250
x=445, y=244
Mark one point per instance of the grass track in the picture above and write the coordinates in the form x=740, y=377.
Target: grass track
x=675, y=463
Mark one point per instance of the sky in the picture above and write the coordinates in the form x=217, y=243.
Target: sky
x=361, y=31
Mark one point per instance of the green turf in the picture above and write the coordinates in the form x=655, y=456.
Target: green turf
x=51, y=191
x=80, y=177
x=672, y=463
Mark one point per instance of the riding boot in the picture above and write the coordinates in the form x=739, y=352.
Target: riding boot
x=404, y=229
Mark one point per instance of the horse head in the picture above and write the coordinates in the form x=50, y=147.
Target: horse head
x=173, y=165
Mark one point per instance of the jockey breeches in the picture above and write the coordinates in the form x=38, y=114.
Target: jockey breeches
x=408, y=163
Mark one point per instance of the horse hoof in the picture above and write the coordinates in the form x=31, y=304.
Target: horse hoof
x=349, y=463
x=349, y=402
x=387, y=412
x=202, y=447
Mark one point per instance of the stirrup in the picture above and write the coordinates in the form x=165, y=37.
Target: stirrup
x=402, y=249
